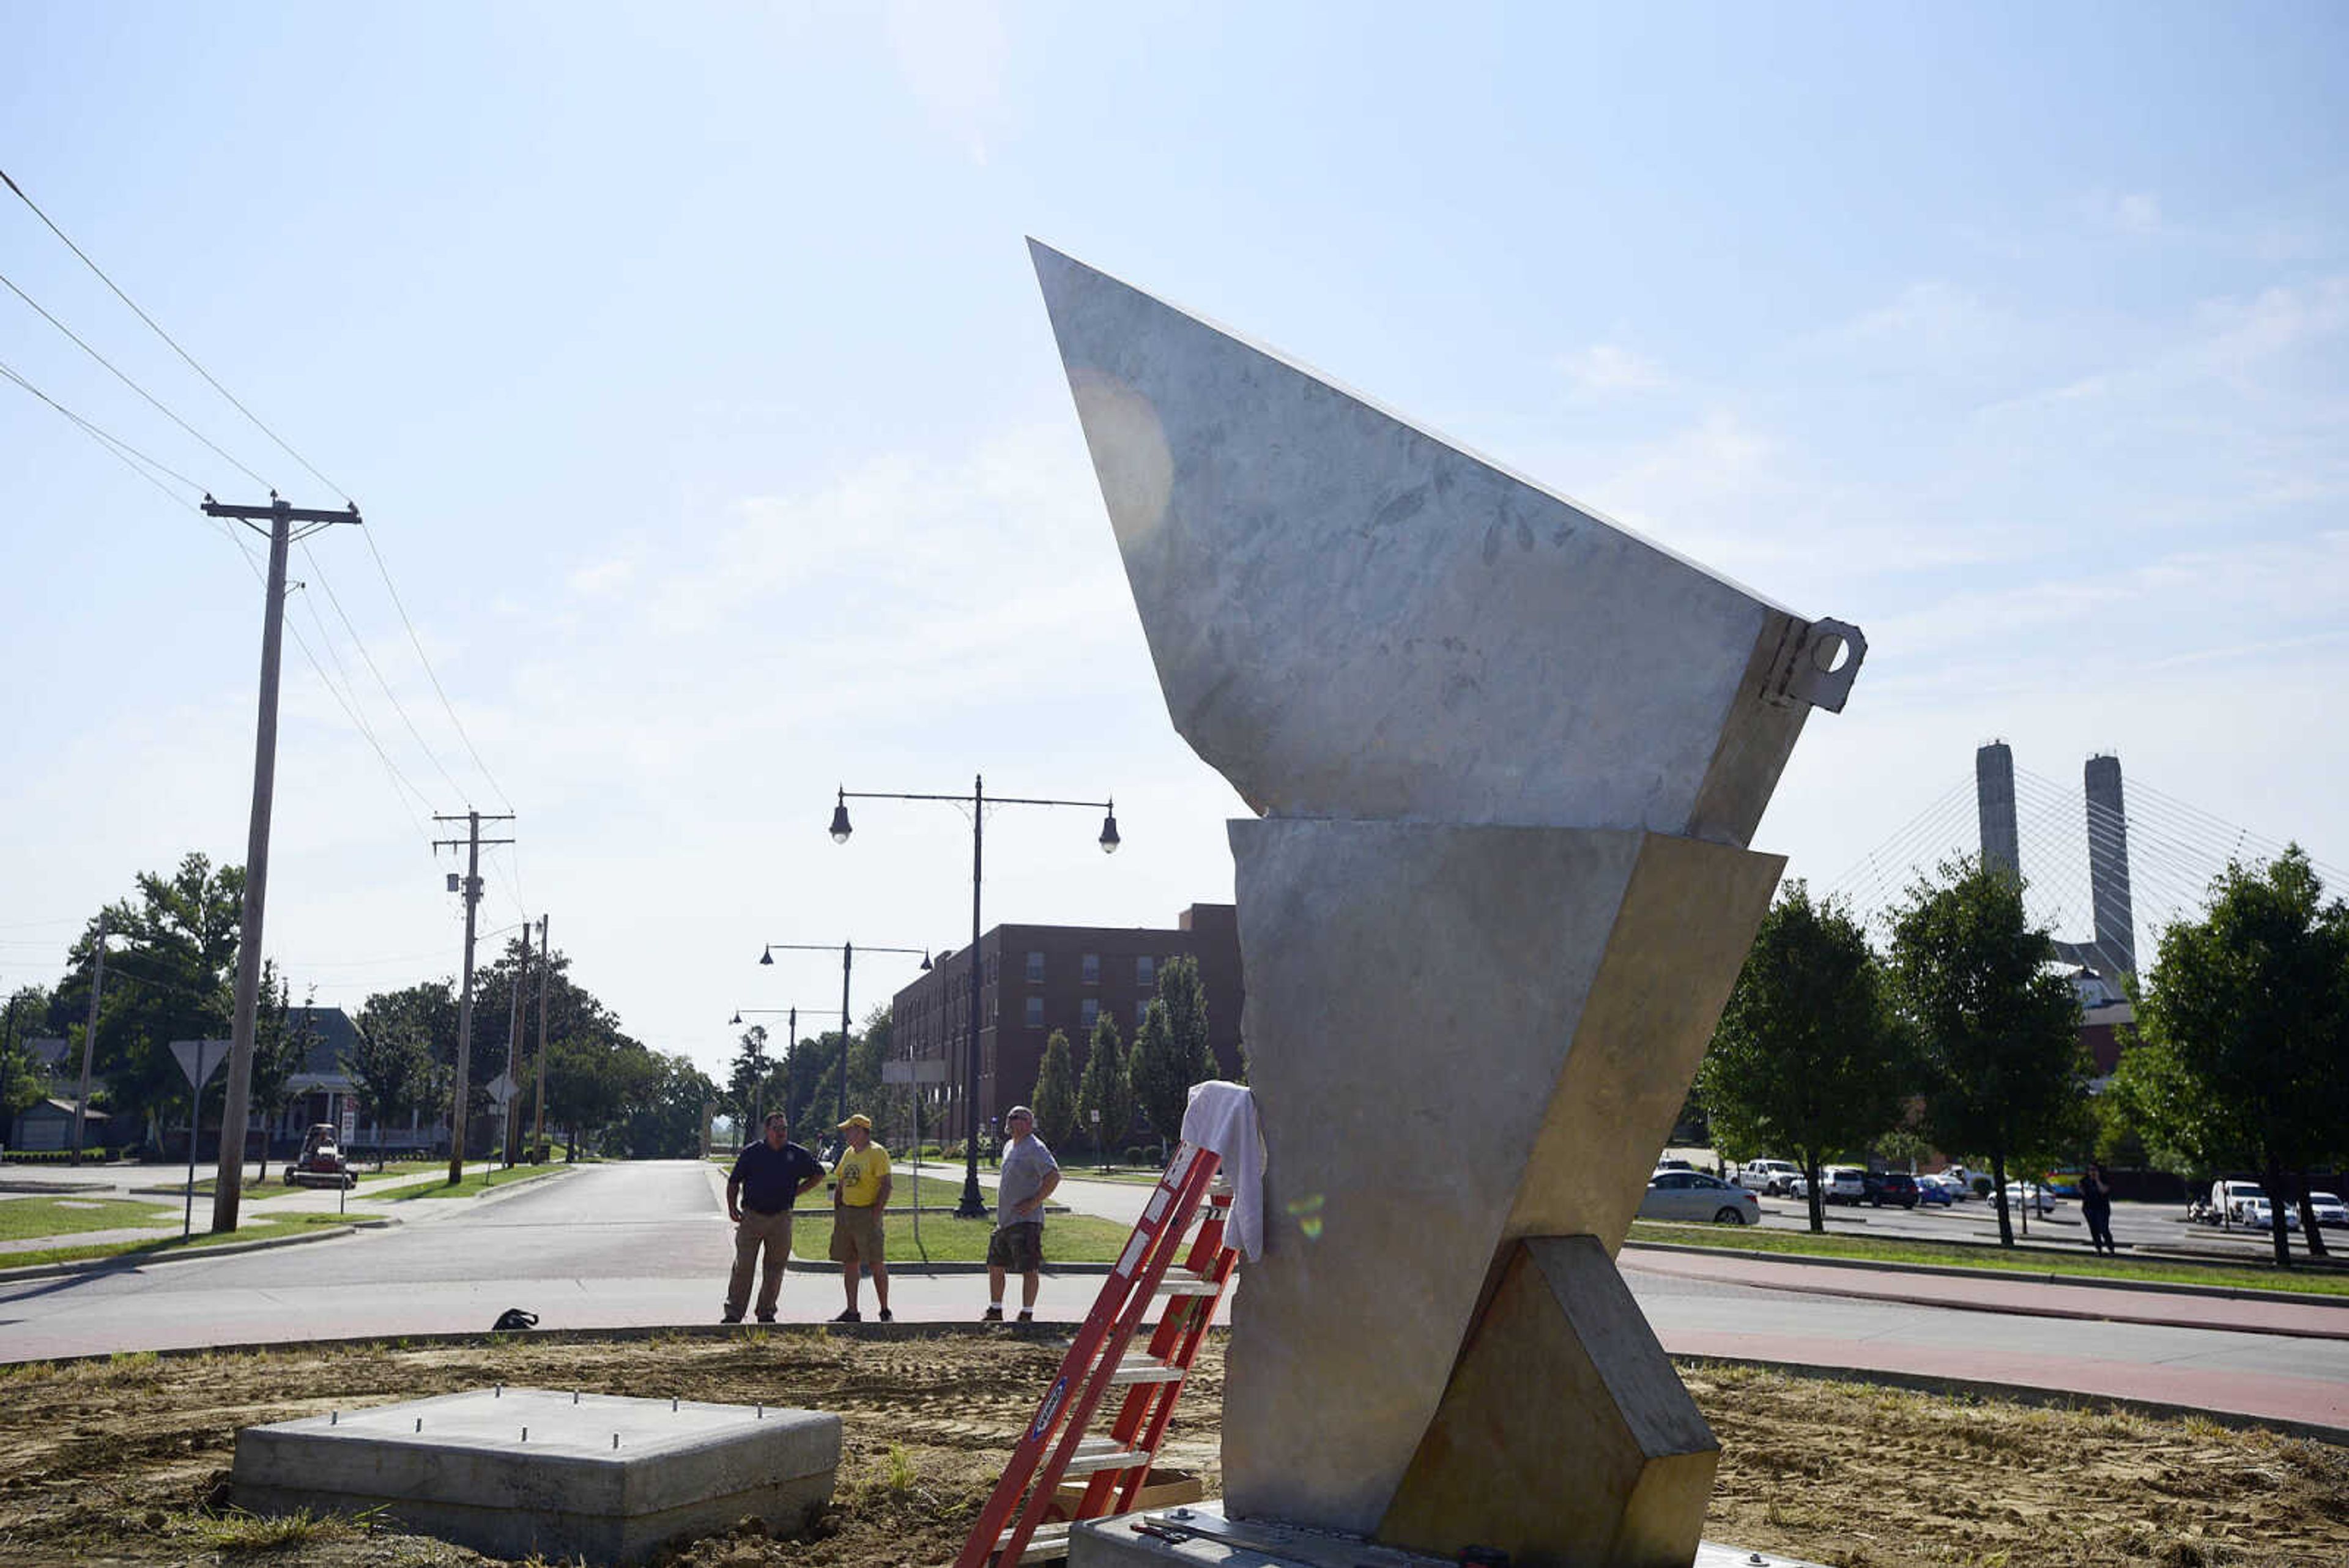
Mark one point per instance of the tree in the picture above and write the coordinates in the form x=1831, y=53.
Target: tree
x=1105, y=1087
x=1807, y=1056
x=1997, y=1026
x=2244, y=1016
x=170, y=975
x=391, y=1066
x=22, y=1080
x=1162, y=1080
x=746, y=1085
x=1186, y=1020
x=1056, y=1093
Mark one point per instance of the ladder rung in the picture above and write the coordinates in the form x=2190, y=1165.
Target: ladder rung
x=1097, y=1454
x=1143, y=1369
x=1049, y=1543
x=1188, y=1285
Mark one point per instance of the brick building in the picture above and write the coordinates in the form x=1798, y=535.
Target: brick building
x=1037, y=979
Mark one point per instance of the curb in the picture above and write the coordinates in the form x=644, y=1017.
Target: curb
x=822, y=1266
x=2029, y=1310
x=125, y=1262
x=2033, y=1394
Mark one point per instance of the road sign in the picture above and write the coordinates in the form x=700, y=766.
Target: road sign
x=200, y=1059
x=350, y=1120
x=504, y=1089
x=911, y=1072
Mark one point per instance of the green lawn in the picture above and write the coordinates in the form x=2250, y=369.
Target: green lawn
x=1995, y=1260
x=478, y=1180
x=22, y=1219
x=250, y=1231
x=1067, y=1238
x=1077, y=1170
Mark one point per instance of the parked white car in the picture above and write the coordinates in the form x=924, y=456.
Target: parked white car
x=2229, y=1200
x=2331, y=1212
x=1693, y=1194
x=2031, y=1195
x=2259, y=1214
x=1843, y=1184
x=1772, y=1178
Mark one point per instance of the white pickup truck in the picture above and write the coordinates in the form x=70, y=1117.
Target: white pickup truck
x=1773, y=1178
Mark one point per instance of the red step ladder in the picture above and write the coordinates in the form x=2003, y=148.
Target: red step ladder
x=1115, y=1463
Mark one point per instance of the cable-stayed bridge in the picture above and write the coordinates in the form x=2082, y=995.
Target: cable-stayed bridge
x=2104, y=868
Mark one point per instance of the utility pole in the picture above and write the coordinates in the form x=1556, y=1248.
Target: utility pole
x=228, y=1185
x=515, y=1019
x=89, y=1038
x=545, y=964
x=463, y=1090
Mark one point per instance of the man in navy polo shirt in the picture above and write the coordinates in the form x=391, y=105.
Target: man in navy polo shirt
x=769, y=1176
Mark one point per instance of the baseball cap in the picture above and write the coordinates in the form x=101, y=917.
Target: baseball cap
x=859, y=1120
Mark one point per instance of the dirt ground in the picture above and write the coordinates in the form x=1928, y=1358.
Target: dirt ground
x=126, y=1461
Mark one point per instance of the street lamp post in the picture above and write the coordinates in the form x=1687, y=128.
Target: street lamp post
x=973, y=1206
x=759, y=1104
x=848, y=958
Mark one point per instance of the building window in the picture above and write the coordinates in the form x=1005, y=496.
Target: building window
x=1035, y=968
x=1092, y=969
x=1145, y=971
x=1089, y=1011
x=1035, y=1012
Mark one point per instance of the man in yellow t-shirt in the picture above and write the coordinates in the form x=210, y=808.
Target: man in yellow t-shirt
x=860, y=1196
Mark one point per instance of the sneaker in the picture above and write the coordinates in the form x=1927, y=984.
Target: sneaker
x=1027, y=1317
x=732, y=1317
x=849, y=1315
x=766, y=1317
x=992, y=1314
x=888, y=1316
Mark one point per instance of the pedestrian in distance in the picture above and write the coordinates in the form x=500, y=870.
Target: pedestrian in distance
x=767, y=1179
x=1026, y=1177
x=2096, y=1209
x=860, y=1198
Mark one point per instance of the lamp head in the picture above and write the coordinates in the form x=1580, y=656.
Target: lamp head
x=767, y=957
x=925, y=960
x=738, y=1018
x=1109, y=839
x=840, y=828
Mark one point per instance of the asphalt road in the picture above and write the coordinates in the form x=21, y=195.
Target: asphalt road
x=648, y=1245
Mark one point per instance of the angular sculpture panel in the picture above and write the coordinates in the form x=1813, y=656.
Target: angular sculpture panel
x=1509, y=757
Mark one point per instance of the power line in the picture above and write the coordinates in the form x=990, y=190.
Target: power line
x=113, y=443
x=385, y=573
x=336, y=600
x=167, y=338
x=127, y=381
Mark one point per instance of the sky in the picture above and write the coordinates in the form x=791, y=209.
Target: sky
x=687, y=366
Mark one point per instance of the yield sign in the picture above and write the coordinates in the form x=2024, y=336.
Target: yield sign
x=200, y=1059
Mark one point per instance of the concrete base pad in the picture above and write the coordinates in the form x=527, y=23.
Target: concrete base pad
x=1200, y=1536
x=511, y=1471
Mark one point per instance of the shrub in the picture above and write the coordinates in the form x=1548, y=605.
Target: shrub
x=1981, y=1186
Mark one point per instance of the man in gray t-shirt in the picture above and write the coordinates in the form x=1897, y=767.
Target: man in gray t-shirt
x=1026, y=1177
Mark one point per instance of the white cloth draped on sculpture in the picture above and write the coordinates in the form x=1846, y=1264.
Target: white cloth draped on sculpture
x=1222, y=1117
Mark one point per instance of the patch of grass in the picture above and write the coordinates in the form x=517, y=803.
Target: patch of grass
x=252, y=1229
x=1993, y=1259
x=1067, y=1238
x=237, y=1531
x=898, y=1476
x=476, y=1182
x=24, y=1219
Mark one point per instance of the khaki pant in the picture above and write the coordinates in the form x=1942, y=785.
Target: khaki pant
x=754, y=1231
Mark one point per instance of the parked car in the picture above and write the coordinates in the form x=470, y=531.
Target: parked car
x=1937, y=1189
x=2031, y=1195
x=2331, y=1212
x=1773, y=1178
x=1894, y=1186
x=2228, y=1200
x=2259, y=1214
x=1675, y=1165
x=1843, y=1184
x=1693, y=1194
